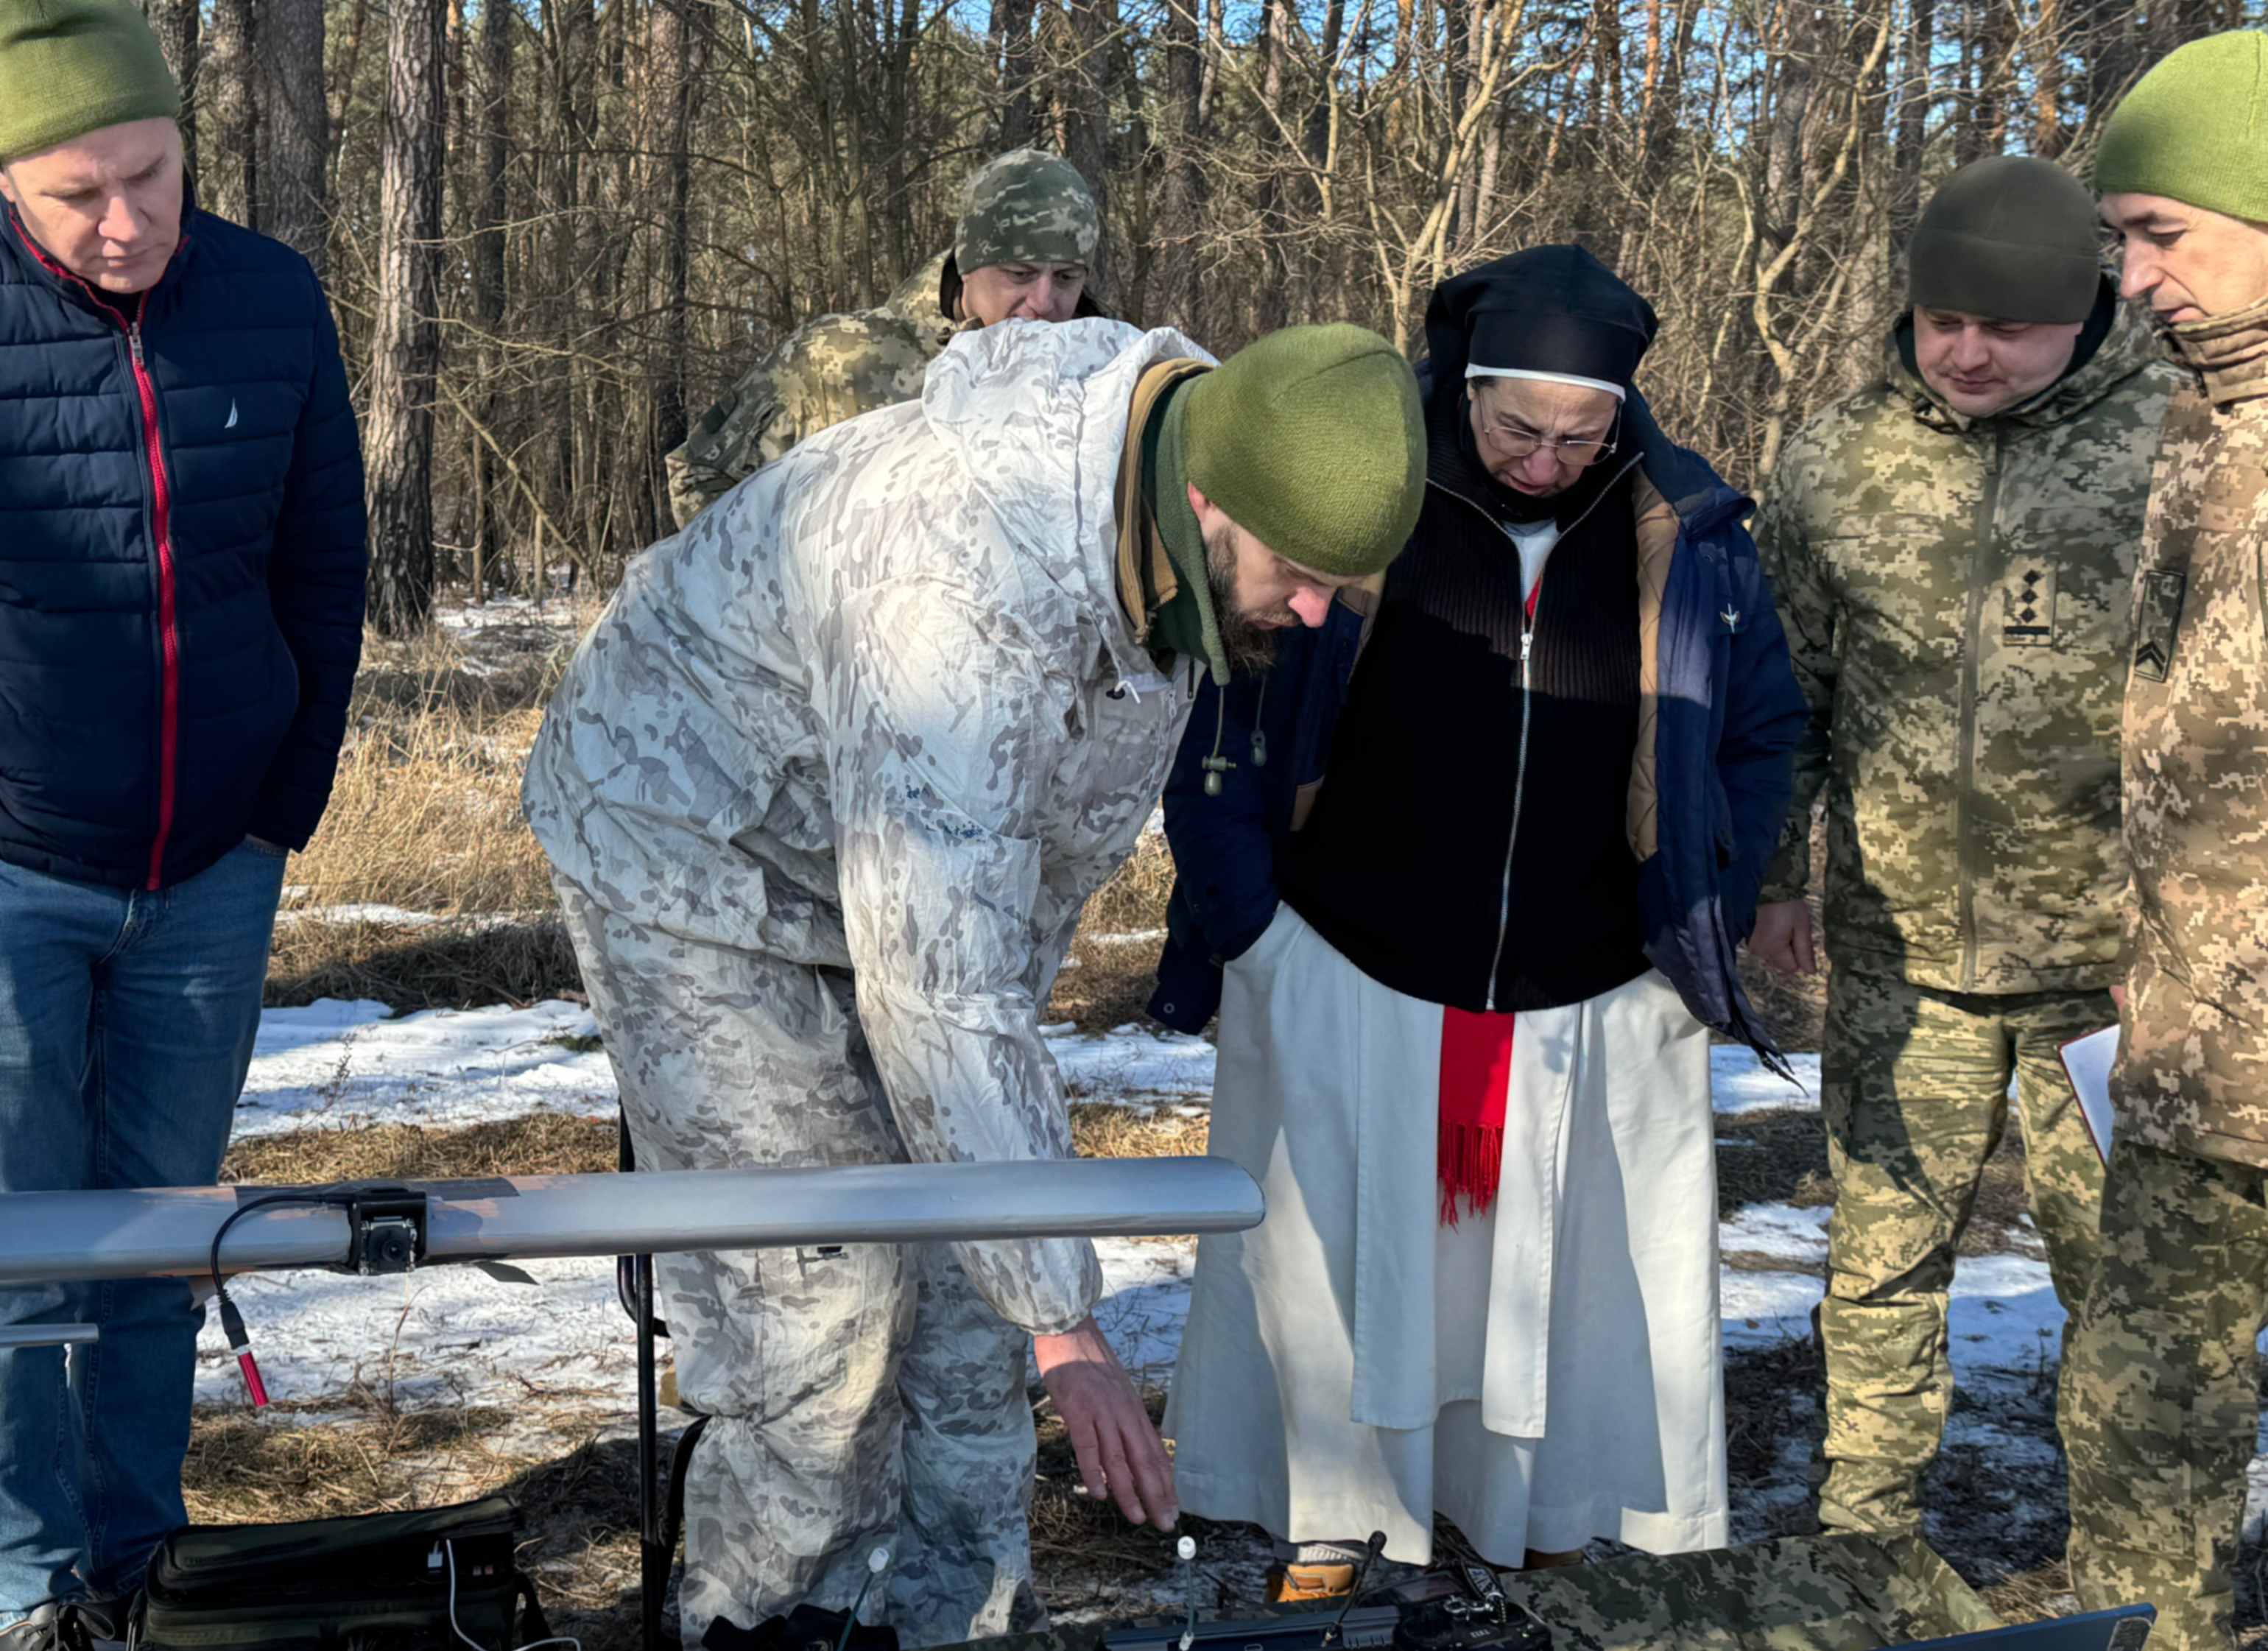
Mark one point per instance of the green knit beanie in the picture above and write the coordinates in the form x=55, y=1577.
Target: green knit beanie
x=1313, y=441
x=71, y=67
x=2011, y=238
x=2195, y=130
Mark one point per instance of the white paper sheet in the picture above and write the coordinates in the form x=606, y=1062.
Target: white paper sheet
x=2086, y=1062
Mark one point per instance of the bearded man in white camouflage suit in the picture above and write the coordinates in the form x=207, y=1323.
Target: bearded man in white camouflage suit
x=824, y=792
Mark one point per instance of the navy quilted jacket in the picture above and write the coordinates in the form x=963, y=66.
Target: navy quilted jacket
x=181, y=558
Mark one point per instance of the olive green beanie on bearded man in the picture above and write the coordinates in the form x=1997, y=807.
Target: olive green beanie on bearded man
x=71, y=67
x=1313, y=441
x=2195, y=130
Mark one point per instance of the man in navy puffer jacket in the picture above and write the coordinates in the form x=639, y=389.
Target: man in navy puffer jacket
x=182, y=567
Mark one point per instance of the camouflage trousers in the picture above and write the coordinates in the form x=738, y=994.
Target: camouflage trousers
x=1915, y=1089
x=2160, y=1407
x=861, y=1396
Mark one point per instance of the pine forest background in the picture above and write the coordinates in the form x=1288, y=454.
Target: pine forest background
x=553, y=230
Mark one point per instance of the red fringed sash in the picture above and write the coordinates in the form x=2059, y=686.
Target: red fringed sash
x=1475, y=1079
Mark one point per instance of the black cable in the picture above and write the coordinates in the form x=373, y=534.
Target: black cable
x=1376, y=1545
x=231, y=1321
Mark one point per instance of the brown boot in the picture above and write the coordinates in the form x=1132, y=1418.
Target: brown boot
x=1308, y=1584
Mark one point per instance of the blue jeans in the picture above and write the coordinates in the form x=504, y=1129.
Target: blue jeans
x=126, y=1027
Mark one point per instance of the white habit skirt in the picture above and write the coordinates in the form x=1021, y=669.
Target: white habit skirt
x=1543, y=1375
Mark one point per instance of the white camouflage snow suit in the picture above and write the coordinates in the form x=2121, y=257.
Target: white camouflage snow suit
x=824, y=792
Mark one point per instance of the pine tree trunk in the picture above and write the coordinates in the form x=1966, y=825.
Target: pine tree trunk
x=295, y=126
x=490, y=213
x=229, y=85
x=1012, y=27
x=406, y=346
x=679, y=54
x=176, y=25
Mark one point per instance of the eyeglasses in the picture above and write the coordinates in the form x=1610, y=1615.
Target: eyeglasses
x=1520, y=444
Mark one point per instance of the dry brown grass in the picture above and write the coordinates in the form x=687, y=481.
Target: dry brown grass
x=541, y=1144
x=424, y=814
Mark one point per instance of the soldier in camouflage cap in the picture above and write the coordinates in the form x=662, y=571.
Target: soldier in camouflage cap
x=1022, y=250
x=1952, y=548
x=2160, y=1408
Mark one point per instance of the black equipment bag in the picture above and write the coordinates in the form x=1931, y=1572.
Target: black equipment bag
x=374, y=1583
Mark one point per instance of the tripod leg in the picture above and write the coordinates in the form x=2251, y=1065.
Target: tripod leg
x=653, y=1559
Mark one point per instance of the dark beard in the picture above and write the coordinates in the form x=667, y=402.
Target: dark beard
x=1246, y=645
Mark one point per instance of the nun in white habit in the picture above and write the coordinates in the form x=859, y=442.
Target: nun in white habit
x=1479, y=1106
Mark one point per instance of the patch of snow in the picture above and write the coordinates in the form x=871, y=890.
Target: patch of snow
x=1760, y=1309
x=1784, y=1232
x=463, y=618
x=455, y=1336
x=337, y=1064
x=1132, y=1062
x=1740, y=1083
x=438, y=1335
x=1146, y=1301
x=2003, y=1318
x=1130, y=937
x=398, y=916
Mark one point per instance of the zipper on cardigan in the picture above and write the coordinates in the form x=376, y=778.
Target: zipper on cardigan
x=1519, y=789
x=1527, y=647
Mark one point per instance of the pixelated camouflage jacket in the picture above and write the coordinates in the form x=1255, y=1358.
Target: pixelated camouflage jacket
x=1955, y=592
x=825, y=371
x=883, y=710
x=2193, y=1070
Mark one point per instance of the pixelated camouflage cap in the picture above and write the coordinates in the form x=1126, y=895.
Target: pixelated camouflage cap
x=1026, y=204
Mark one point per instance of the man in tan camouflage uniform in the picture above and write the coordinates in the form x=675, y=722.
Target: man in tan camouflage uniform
x=1951, y=548
x=2161, y=1406
x=1021, y=251
x=824, y=792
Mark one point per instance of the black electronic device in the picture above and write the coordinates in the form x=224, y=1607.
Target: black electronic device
x=428, y=1580
x=1474, y=1618
x=385, y=1229
x=1364, y=1628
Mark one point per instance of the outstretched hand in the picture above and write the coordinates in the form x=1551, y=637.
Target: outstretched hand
x=1119, y=1452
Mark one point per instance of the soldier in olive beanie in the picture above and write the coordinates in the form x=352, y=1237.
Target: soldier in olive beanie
x=71, y=67
x=2012, y=238
x=1313, y=441
x=2195, y=130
